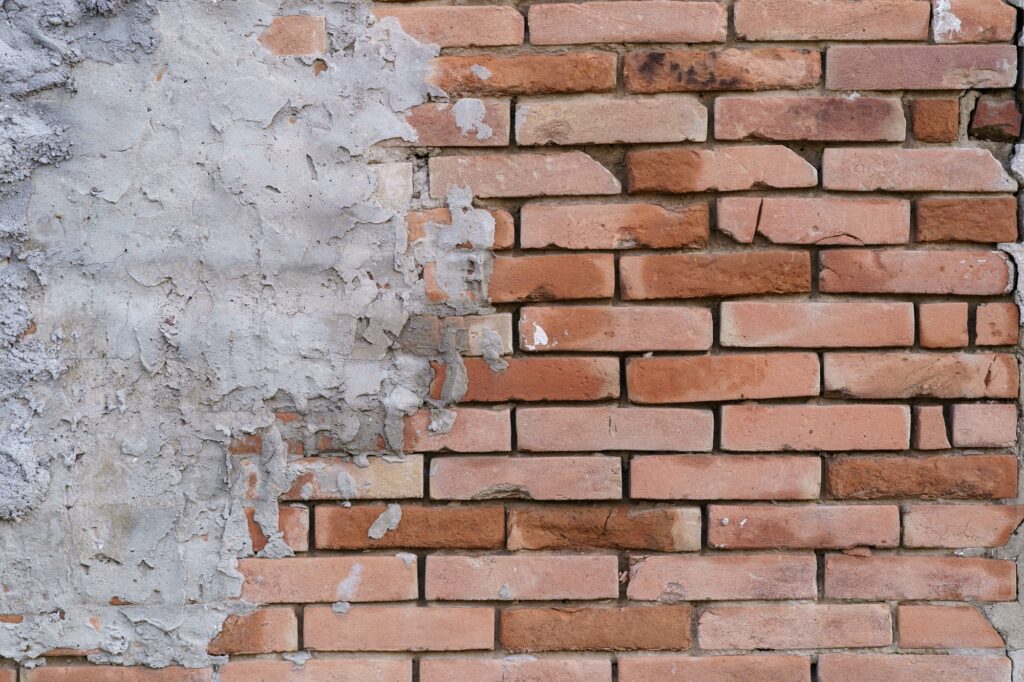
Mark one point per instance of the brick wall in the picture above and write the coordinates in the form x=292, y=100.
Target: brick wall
x=761, y=378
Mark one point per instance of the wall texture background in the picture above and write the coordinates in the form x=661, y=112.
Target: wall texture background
x=630, y=340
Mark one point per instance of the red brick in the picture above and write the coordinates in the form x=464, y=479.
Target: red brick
x=663, y=529
x=710, y=378
x=466, y=123
x=552, y=277
x=533, y=478
x=677, y=668
x=919, y=578
x=960, y=525
x=475, y=430
x=915, y=375
x=602, y=119
x=998, y=324
x=292, y=521
x=949, y=477
x=832, y=19
x=714, y=274
x=521, y=175
x=794, y=626
x=581, y=429
x=985, y=425
x=930, y=428
x=651, y=21
x=914, y=170
x=722, y=577
x=943, y=325
x=114, y=673
x=458, y=26
x=685, y=70
x=524, y=74
x=861, y=119
x=725, y=477
x=803, y=527
x=963, y=273
x=613, y=226
x=616, y=329
x=945, y=627
x=725, y=169
x=812, y=324
x=421, y=527
x=583, y=628
x=904, y=668
x=263, y=631
x=998, y=120
x=815, y=220
x=321, y=478
x=921, y=67
x=525, y=577
x=318, y=670
x=296, y=34
x=398, y=628
x=543, y=378
x=515, y=669
x=973, y=21
x=313, y=579
x=963, y=219
x=815, y=427
x=936, y=119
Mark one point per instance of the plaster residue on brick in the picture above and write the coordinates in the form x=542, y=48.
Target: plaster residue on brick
x=194, y=234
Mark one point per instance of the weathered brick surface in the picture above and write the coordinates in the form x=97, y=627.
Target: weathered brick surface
x=961, y=525
x=568, y=429
x=832, y=19
x=946, y=627
x=824, y=221
x=935, y=119
x=523, y=74
x=619, y=328
x=533, y=478
x=596, y=628
x=723, y=170
x=723, y=377
x=864, y=119
x=619, y=527
x=725, y=477
x=738, y=576
x=521, y=578
x=803, y=527
x=719, y=275
x=919, y=578
x=914, y=170
x=937, y=477
x=515, y=668
x=766, y=68
x=613, y=226
x=920, y=67
x=458, y=26
x=815, y=427
x=798, y=626
x=654, y=21
x=610, y=120
x=543, y=378
x=398, y=628
x=421, y=526
x=974, y=219
x=964, y=273
x=905, y=668
x=808, y=324
x=638, y=668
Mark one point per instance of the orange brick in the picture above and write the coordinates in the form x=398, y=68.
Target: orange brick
x=114, y=673
x=552, y=277
x=920, y=67
x=521, y=578
x=398, y=628
x=812, y=324
x=263, y=631
x=726, y=169
x=583, y=628
x=974, y=21
x=815, y=427
x=803, y=527
x=919, y=578
x=736, y=576
x=576, y=527
x=964, y=273
x=935, y=119
x=710, y=378
x=651, y=21
x=765, y=68
x=945, y=627
x=613, y=226
x=292, y=521
x=334, y=478
x=998, y=324
x=832, y=19
x=513, y=668
x=960, y=525
x=521, y=175
x=930, y=428
x=669, y=668
x=328, y=579
x=905, y=668
x=575, y=429
x=943, y=325
x=909, y=375
x=794, y=626
x=475, y=430
x=937, y=477
x=601, y=119
x=296, y=34
x=914, y=170
x=619, y=328
x=863, y=119
x=476, y=527
x=458, y=26
x=543, y=378
x=962, y=219
x=532, y=478
x=319, y=670
x=725, y=477
x=714, y=274
x=815, y=220
x=524, y=74
x=466, y=123
x=985, y=425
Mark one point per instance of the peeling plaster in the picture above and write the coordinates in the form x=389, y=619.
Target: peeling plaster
x=194, y=235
